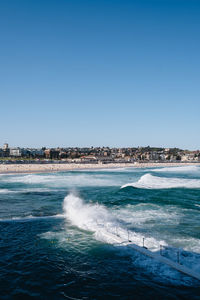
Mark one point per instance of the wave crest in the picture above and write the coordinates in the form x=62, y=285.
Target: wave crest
x=179, y=169
x=102, y=222
x=149, y=181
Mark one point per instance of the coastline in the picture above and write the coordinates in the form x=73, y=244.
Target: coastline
x=47, y=168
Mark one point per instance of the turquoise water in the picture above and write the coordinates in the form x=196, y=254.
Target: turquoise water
x=56, y=233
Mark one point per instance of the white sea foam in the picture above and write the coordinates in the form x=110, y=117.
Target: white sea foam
x=104, y=224
x=189, y=244
x=28, y=190
x=6, y=191
x=30, y=218
x=149, y=181
x=181, y=169
x=32, y=178
x=96, y=218
x=37, y=190
x=149, y=214
x=65, y=180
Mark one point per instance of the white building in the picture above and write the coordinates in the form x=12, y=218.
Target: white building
x=15, y=152
x=5, y=147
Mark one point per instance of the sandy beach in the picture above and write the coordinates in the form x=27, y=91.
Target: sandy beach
x=37, y=168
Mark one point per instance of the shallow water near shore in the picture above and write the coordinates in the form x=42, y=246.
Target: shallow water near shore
x=56, y=233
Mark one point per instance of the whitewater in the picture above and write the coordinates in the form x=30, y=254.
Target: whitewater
x=63, y=227
x=149, y=181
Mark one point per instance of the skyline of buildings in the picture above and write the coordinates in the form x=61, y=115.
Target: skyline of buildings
x=104, y=154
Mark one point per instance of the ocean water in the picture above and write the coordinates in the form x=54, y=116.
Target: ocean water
x=56, y=233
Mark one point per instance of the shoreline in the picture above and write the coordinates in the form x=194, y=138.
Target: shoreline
x=48, y=168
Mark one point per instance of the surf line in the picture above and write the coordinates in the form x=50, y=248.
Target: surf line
x=156, y=256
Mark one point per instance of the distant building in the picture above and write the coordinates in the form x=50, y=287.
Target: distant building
x=15, y=152
x=1, y=153
x=154, y=155
x=6, y=150
x=47, y=153
x=88, y=158
x=35, y=153
x=51, y=154
x=187, y=157
x=5, y=147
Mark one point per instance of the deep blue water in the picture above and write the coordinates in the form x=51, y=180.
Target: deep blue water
x=56, y=234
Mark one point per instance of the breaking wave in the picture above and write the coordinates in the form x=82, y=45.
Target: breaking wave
x=181, y=169
x=106, y=226
x=64, y=180
x=149, y=181
x=102, y=222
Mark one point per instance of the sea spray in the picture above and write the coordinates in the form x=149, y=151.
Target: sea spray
x=102, y=222
x=85, y=216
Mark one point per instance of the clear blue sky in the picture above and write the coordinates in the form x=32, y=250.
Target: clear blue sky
x=100, y=73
